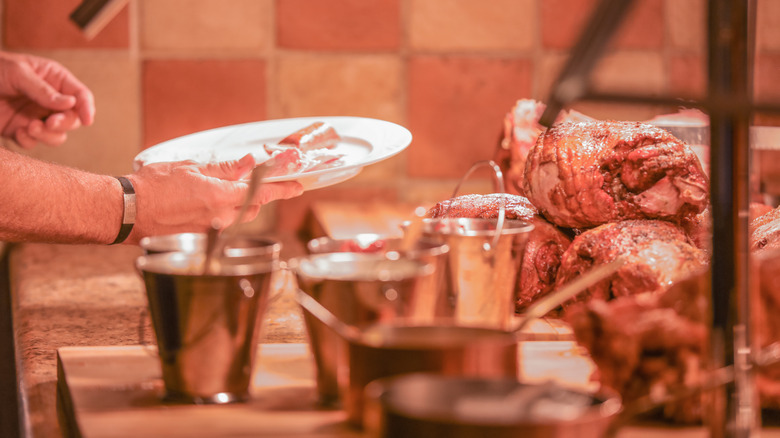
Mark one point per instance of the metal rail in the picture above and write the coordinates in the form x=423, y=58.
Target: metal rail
x=730, y=107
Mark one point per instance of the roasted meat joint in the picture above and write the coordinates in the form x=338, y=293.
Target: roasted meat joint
x=597, y=191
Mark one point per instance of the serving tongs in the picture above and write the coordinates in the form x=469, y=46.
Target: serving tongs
x=218, y=237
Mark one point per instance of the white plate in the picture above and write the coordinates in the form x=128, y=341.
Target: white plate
x=364, y=141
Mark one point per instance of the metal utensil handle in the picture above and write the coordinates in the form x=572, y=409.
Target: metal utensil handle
x=569, y=291
x=346, y=331
x=218, y=238
x=498, y=182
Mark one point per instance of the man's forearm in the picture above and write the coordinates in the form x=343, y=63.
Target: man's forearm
x=42, y=201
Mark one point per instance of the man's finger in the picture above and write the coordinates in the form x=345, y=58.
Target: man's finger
x=231, y=170
x=41, y=92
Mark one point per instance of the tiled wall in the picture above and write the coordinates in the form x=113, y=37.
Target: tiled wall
x=447, y=69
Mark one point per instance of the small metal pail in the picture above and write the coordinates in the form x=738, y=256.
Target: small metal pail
x=359, y=289
x=482, y=267
x=206, y=326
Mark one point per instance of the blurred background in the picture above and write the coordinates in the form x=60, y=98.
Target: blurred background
x=448, y=70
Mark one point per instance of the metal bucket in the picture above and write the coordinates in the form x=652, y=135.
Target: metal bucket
x=386, y=349
x=206, y=325
x=239, y=247
x=482, y=267
x=428, y=405
x=430, y=301
x=358, y=289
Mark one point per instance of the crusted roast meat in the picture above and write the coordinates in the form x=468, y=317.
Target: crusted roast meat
x=581, y=175
x=649, y=343
x=658, y=253
x=521, y=129
x=765, y=232
x=545, y=246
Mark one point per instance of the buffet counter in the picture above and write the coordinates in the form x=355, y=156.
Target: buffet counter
x=64, y=296
x=68, y=299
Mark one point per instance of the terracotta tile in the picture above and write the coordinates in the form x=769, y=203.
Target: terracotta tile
x=339, y=85
x=549, y=66
x=768, y=25
x=456, y=108
x=44, y=24
x=338, y=24
x=292, y=213
x=186, y=96
x=688, y=76
x=470, y=25
x=561, y=30
x=643, y=27
x=687, y=25
x=428, y=192
x=206, y=24
x=767, y=87
x=636, y=72
x=111, y=143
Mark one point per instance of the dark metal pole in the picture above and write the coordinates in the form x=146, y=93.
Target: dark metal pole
x=728, y=67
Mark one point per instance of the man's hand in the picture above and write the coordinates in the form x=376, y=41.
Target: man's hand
x=41, y=101
x=186, y=196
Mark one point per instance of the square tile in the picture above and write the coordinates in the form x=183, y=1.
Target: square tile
x=111, y=143
x=470, y=25
x=767, y=87
x=456, y=110
x=338, y=24
x=686, y=21
x=45, y=24
x=768, y=25
x=643, y=27
x=206, y=25
x=185, y=96
x=292, y=213
x=688, y=76
x=339, y=85
x=561, y=30
x=631, y=72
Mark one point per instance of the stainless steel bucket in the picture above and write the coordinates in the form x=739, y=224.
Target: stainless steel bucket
x=386, y=350
x=358, y=289
x=482, y=267
x=206, y=325
x=240, y=247
x=430, y=301
x=428, y=405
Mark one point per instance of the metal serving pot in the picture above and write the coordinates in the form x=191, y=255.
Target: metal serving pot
x=387, y=349
x=431, y=405
x=239, y=248
x=206, y=326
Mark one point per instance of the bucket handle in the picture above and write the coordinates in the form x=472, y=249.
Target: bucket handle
x=498, y=184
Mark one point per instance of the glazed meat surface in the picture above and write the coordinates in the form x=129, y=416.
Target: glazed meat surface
x=581, y=175
x=765, y=232
x=544, y=248
x=649, y=343
x=658, y=253
x=521, y=129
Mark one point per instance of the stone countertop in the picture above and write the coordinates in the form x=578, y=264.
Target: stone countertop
x=85, y=295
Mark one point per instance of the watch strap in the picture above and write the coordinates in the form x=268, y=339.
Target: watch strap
x=129, y=210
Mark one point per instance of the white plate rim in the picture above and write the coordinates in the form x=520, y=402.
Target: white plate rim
x=386, y=139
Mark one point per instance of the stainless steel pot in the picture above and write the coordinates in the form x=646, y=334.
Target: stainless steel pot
x=206, y=326
x=239, y=248
x=358, y=289
x=432, y=406
x=386, y=349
